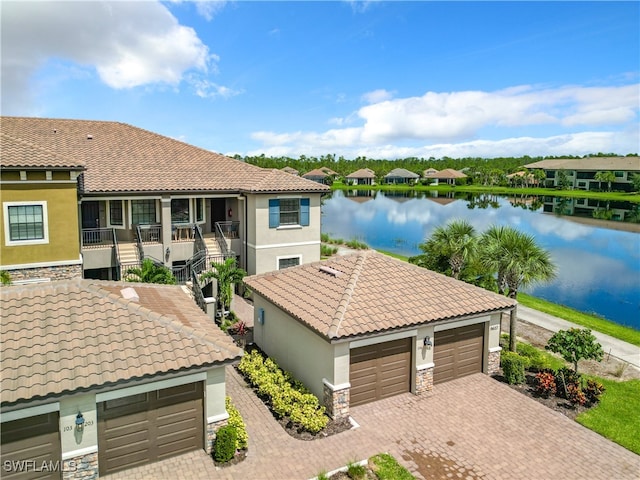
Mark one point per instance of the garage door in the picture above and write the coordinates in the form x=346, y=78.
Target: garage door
x=380, y=371
x=31, y=447
x=149, y=426
x=458, y=352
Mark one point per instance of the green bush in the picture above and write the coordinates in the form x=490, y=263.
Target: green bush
x=513, y=366
x=356, y=471
x=236, y=421
x=224, y=446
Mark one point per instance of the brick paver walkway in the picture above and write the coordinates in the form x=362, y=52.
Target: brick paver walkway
x=474, y=427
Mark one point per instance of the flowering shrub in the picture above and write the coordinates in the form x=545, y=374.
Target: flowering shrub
x=545, y=384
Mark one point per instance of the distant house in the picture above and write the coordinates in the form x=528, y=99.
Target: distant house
x=522, y=178
x=364, y=176
x=580, y=173
x=290, y=170
x=318, y=175
x=329, y=172
x=448, y=176
x=401, y=175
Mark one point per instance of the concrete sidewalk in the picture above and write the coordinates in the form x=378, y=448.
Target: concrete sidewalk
x=616, y=348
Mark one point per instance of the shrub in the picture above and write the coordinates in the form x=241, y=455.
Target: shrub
x=224, y=446
x=356, y=471
x=236, y=421
x=513, y=366
x=592, y=391
x=545, y=384
x=327, y=251
x=566, y=378
x=575, y=395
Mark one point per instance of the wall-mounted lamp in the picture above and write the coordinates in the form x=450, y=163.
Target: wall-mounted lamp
x=261, y=316
x=427, y=341
x=79, y=422
x=167, y=253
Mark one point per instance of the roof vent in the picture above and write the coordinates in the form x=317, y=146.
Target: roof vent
x=89, y=137
x=55, y=130
x=330, y=271
x=130, y=293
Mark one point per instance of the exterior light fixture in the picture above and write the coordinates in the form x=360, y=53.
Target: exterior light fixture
x=427, y=341
x=261, y=316
x=167, y=253
x=79, y=422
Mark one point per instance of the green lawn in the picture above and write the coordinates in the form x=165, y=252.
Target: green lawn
x=617, y=416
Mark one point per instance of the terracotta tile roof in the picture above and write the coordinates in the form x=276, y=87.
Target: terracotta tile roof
x=123, y=158
x=446, y=173
x=590, y=163
x=402, y=173
x=17, y=153
x=290, y=170
x=369, y=292
x=315, y=173
x=78, y=334
x=362, y=173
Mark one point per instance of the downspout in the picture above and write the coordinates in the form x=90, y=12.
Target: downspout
x=246, y=230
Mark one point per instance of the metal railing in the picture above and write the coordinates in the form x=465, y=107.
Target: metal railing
x=139, y=246
x=221, y=239
x=196, y=264
x=97, y=237
x=230, y=229
x=199, y=243
x=149, y=233
x=197, y=292
x=116, y=256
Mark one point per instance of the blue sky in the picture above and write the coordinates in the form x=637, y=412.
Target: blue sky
x=380, y=79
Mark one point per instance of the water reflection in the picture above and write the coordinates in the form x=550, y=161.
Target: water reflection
x=598, y=259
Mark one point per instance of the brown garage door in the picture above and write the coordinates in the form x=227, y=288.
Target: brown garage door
x=458, y=352
x=380, y=371
x=31, y=448
x=149, y=426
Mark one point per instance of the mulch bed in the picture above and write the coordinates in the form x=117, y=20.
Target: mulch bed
x=557, y=404
x=237, y=458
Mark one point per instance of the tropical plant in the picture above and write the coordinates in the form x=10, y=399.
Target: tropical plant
x=150, y=272
x=607, y=177
x=226, y=274
x=574, y=345
x=519, y=261
x=455, y=241
x=635, y=181
x=5, y=277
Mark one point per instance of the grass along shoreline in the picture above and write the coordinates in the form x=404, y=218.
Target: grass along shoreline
x=585, y=320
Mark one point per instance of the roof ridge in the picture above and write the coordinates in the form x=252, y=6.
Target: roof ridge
x=346, y=296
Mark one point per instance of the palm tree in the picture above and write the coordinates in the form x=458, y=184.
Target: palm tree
x=150, y=272
x=455, y=241
x=226, y=274
x=519, y=261
x=605, y=176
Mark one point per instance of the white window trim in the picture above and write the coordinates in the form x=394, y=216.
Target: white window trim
x=195, y=210
x=287, y=257
x=45, y=224
x=109, y=224
x=130, y=207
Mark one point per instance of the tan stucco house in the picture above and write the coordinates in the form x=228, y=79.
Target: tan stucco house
x=364, y=176
x=448, y=176
x=102, y=376
x=366, y=326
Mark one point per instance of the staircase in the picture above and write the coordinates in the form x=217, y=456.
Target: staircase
x=128, y=253
x=213, y=248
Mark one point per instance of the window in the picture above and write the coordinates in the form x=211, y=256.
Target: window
x=25, y=223
x=288, y=211
x=288, y=262
x=115, y=212
x=618, y=174
x=143, y=212
x=180, y=210
x=199, y=209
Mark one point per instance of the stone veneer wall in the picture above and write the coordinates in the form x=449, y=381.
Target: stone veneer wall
x=54, y=273
x=424, y=380
x=84, y=467
x=493, y=364
x=336, y=401
x=212, y=428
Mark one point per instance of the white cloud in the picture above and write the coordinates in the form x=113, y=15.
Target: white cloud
x=129, y=44
x=377, y=96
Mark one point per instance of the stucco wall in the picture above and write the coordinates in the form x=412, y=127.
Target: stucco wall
x=294, y=347
x=62, y=220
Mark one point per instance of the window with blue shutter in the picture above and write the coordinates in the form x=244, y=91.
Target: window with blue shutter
x=289, y=211
x=274, y=213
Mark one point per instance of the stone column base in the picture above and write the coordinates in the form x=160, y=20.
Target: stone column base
x=424, y=379
x=336, y=399
x=493, y=362
x=212, y=428
x=82, y=467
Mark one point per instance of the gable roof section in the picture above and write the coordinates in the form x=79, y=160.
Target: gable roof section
x=123, y=158
x=17, y=153
x=362, y=173
x=591, y=163
x=78, y=334
x=371, y=293
x=317, y=173
x=401, y=173
x=447, y=173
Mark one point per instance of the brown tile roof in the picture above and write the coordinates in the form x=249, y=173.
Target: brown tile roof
x=315, y=173
x=370, y=293
x=17, y=153
x=78, y=334
x=401, y=173
x=362, y=173
x=123, y=158
x=446, y=173
x=590, y=163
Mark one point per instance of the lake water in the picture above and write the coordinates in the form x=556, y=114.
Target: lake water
x=598, y=260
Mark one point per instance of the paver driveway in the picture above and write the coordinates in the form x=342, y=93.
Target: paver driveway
x=474, y=427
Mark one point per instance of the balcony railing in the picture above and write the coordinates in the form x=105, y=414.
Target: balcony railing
x=149, y=233
x=229, y=229
x=97, y=237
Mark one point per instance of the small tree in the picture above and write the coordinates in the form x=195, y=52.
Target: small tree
x=226, y=274
x=575, y=344
x=150, y=272
x=605, y=177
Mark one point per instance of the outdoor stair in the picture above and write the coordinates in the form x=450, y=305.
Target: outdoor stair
x=128, y=253
x=212, y=246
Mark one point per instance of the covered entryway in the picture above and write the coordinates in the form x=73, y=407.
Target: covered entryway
x=150, y=426
x=379, y=371
x=31, y=448
x=458, y=352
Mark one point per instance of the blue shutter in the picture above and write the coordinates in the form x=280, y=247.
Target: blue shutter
x=274, y=213
x=304, y=212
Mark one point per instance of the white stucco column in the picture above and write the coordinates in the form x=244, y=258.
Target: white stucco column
x=165, y=219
